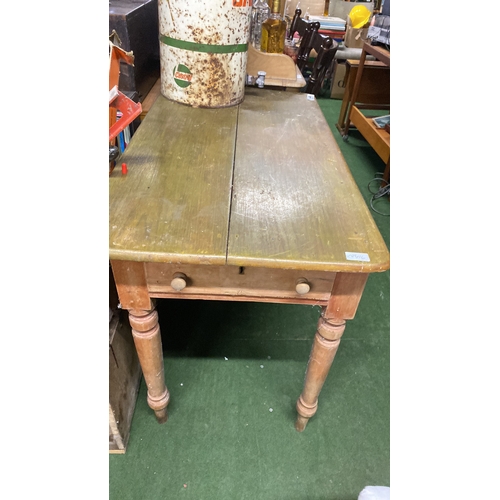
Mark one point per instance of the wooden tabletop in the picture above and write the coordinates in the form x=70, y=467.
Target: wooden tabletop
x=290, y=83
x=292, y=203
x=173, y=204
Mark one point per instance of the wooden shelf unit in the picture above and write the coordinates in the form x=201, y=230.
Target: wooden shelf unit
x=378, y=138
x=374, y=88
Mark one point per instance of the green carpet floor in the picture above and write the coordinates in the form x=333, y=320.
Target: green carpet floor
x=235, y=370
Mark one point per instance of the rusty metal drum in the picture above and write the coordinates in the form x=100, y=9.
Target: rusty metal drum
x=203, y=51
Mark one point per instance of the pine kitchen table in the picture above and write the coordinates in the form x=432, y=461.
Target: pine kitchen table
x=253, y=202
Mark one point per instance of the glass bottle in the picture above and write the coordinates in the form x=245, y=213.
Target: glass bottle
x=286, y=16
x=327, y=8
x=260, y=12
x=273, y=31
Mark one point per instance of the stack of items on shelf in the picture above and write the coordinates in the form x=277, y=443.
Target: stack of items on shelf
x=331, y=26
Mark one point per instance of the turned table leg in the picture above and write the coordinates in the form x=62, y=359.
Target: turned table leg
x=326, y=343
x=147, y=339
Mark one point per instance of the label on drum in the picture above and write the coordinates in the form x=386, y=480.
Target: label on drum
x=182, y=76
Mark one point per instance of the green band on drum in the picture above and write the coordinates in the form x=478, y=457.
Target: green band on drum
x=203, y=47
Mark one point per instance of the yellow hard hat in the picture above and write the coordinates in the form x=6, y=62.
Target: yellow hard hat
x=359, y=16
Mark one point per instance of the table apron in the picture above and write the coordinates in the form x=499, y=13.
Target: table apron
x=239, y=283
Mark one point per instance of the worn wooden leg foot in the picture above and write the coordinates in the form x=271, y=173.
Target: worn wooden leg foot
x=300, y=423
x=147, y=339
x=161, y=416
x=326, y=343
x=304, y=413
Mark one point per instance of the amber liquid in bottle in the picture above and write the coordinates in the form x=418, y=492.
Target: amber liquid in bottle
x=273, y=31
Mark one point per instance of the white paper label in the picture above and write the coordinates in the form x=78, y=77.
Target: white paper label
x=310, y=97
x=363, y=257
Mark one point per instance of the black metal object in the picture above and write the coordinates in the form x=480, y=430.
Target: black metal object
x=136, y=24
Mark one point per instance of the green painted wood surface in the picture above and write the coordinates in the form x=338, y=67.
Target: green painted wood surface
x=295, y=203
x=173, y=204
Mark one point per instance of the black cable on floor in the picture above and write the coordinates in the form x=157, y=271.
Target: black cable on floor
x=382, y=191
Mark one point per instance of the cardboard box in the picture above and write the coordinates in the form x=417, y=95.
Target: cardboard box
x=355, y=38
x=338, y=80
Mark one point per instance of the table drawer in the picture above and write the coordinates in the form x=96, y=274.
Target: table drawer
x=179, y=280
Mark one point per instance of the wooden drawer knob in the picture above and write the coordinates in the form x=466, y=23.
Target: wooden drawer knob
x=302, y=286
x=179, y=281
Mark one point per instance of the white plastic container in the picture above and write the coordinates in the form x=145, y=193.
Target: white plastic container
x=375, y=493
x=203, y=51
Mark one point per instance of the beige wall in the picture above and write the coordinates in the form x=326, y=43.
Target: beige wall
x=317, y=7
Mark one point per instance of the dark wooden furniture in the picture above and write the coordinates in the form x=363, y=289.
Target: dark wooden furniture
x=325, y=48
x=124, y=374
x=306, y=31
x=311, y=41
x=246, y=203
x=124, y=381
x=136, y=23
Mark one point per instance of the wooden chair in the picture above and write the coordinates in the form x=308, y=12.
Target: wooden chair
x=306, y=31
x=325, y=47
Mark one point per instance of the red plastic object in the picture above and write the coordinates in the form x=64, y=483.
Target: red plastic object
x=130, y=111
x=118, y=101
x=124, y=168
